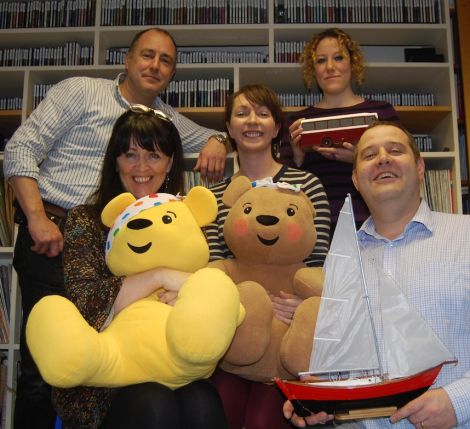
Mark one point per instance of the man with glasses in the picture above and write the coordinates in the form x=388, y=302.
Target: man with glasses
x=53, y=163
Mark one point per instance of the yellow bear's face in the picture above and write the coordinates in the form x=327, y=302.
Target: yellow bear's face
x=158, y=230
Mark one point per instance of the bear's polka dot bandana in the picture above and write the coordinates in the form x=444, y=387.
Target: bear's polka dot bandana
x=134, y=209
x=267, y=182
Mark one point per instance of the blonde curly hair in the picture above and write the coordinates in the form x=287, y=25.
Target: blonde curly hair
x=307, y=59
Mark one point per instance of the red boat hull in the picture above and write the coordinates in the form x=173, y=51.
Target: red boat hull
x=307, y=397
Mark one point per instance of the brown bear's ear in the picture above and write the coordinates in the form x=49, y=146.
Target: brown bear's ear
x=237, y=187
x=115, y=207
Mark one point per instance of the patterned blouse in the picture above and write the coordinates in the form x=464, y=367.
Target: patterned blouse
x=93, y=289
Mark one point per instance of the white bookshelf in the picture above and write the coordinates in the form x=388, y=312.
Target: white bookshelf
x=439, y=121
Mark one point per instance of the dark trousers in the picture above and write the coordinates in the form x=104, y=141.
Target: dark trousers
x=250, y=404
x=38, y=276
x=151, y=406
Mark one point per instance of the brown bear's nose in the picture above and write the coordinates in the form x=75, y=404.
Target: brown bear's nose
x=267, y=220
x=139, y=224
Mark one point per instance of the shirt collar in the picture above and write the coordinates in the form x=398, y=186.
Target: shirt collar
x=157, y=102
x=422, y=219
x=119, y=79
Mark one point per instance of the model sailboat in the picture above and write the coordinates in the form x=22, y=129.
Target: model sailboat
x=346, y=351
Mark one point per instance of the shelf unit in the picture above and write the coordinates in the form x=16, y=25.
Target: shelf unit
x=439, y=121
x=11, y=349
x=462, y=15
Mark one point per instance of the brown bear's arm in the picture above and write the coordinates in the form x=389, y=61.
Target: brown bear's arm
x=225, y=265
x=308, y=282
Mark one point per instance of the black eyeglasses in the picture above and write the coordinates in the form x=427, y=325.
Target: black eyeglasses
x=141, y=108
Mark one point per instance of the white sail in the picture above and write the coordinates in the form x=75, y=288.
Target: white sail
x=344, y=340
x=410, y=345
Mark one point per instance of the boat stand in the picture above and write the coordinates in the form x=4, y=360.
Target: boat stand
x=366, y=413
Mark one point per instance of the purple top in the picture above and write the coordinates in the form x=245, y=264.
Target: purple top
x=336, y=175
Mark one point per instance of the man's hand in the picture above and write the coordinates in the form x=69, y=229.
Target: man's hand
x=301, y=422
x=211, y=161
x=431, y=410
x=48, y=240
x=284, y=306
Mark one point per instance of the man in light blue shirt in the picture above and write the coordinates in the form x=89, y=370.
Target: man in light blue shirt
x=428, y=255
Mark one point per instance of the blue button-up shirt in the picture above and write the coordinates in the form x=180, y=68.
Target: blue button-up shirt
x=430, y=262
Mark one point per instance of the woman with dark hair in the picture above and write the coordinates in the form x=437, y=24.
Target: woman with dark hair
x=136, y=131
x=144, y=156
x=254, y=120
x=334, y=62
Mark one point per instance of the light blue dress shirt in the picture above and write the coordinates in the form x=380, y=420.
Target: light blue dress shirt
x=430, y=262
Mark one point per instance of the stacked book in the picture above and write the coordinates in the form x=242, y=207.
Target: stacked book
x=358, y=11
x=47, y=13
x=183, y=12
x=437, y=190
x=70, y=54
x=5, y=281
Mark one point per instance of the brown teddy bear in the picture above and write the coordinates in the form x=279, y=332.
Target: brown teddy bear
x=270, y=231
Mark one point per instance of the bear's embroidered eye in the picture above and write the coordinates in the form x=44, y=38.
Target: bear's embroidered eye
x=290, y=211
x=247, y=210
x=166, y=219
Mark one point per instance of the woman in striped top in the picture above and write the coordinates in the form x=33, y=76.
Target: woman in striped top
x=254, y=122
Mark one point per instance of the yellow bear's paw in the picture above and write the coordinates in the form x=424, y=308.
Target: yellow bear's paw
x=206, y=314
x=61, y=341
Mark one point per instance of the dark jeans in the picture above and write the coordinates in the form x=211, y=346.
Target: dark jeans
x=38, y=276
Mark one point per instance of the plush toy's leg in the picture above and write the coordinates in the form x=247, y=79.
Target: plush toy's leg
x=61, y=341
x=296, y=346
x=204, y=318
x=254, y=334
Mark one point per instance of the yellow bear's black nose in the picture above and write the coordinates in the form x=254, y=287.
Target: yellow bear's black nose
x=139, y=223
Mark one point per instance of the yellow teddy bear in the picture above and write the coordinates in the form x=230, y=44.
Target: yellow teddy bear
x=148, y=340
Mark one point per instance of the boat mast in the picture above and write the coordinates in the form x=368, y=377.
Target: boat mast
x=366, y=291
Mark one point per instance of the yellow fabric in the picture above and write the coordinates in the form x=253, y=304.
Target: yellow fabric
x=148, y=340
